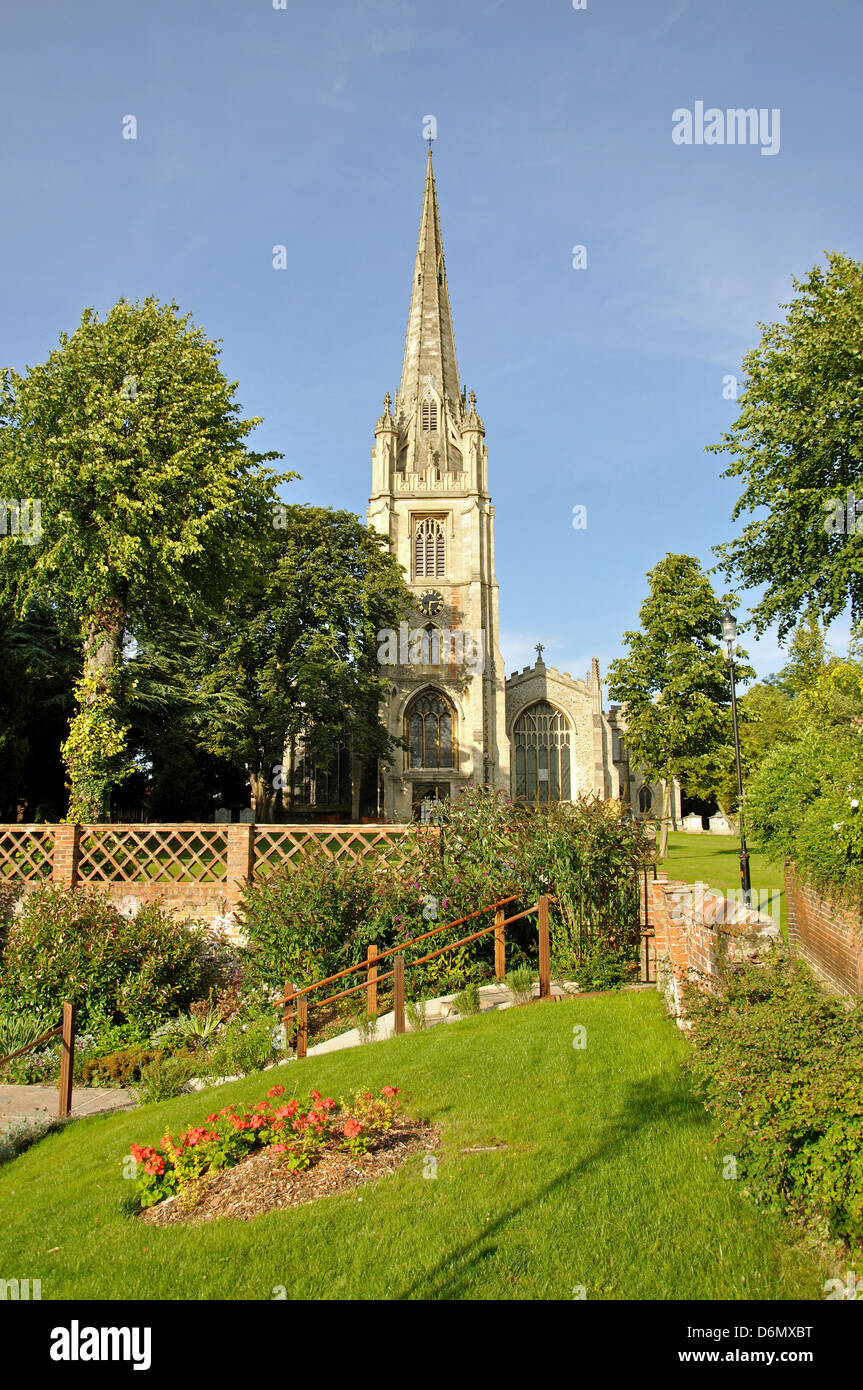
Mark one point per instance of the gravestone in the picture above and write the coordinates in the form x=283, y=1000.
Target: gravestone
x=247, y=816
x=693, y=825
x=222, y=816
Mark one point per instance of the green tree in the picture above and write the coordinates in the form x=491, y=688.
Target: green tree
x=296, y=652
x=129, y=439
x=797, y=446
x=807, y=656
x=673, y=684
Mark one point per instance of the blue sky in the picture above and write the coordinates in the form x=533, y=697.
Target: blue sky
x=303, y=126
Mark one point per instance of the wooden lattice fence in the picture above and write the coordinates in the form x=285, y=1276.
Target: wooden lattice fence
x=200, y=868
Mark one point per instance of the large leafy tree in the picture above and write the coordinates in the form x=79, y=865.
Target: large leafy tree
x=296, y=653
x=129, y=438
x=673, y=683
x=797, y=445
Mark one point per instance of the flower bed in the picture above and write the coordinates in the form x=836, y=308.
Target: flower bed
x=294, y=1133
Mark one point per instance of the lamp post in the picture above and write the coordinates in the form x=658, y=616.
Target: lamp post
x=729, y=637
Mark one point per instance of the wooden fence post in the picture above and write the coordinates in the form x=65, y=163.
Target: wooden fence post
x=372, y=982
x=302, y=1025
x=67, y=1062
x=499, y=944
x=288, y=1023
x=544, y=950
x=399, y=994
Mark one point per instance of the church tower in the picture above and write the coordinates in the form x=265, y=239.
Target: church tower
x=430, y=498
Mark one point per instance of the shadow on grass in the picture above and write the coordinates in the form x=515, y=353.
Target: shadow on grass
x=657, y=1101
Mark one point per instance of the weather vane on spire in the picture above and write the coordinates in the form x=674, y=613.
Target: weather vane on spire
x=429, y=129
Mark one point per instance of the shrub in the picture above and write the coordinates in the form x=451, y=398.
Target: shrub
x=805, y=803
x=246, y=1045
x=606, y=966
x=119, y=1068
x=777, y=1062
x=467, y=1001
x=22, y=1134
x=74, y=944
x=317, y=917
x=165, y=1077
x=520, y=982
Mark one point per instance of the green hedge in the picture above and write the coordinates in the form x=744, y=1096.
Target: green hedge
x=778, y=1064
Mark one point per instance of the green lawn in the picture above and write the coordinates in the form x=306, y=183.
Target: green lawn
x=715, y=860
x=609, y=1181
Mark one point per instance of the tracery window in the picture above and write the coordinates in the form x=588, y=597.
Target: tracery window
x=429, y=416
x=429, y=549
x=431, y=731
x=541, y=739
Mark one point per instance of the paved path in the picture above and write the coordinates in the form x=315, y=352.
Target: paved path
x=33, y=1102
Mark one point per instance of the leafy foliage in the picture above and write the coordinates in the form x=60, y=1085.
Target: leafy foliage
x=317, y=917
x=778, y=1064
x=674, y=684
x=150, y=502
x=797, y=443
x=75, y=945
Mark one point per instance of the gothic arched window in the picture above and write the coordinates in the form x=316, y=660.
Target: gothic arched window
x=645, y=799
x=429, y=416
x=542, y=755
x=431, y=731
x=429, y=549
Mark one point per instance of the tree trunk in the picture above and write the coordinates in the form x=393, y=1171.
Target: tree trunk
x=94, y=751
x=356, y=785
x=262, y=797
x=666, y=817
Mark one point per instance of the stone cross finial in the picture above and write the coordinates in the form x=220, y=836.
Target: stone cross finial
x=539, y=649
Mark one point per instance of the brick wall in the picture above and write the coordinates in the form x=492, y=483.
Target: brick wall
x=698, y=934
x=826, y=933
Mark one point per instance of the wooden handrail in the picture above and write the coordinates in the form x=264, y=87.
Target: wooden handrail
x=300, y=1013
x=66, y=1031
x=52, y=1033
x=362, y=965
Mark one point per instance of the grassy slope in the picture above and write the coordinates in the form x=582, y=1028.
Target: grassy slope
x=609, y=1181
x=715, y=860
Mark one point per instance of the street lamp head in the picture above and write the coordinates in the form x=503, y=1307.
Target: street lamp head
x=729, y=631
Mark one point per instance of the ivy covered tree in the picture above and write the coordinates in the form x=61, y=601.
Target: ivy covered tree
x=797, y=446
x=674, y=684
x=130, y=442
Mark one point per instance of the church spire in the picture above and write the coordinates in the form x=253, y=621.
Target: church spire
x=429, y=345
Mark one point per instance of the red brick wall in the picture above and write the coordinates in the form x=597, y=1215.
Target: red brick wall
x=826, y=934
x=698, y=932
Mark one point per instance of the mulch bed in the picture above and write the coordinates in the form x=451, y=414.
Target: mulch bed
x=260, y=1183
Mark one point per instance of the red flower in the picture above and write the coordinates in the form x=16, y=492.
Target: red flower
x=352, y=1128
x=389, y=1090
x=155, y=1166
x=276, y=1091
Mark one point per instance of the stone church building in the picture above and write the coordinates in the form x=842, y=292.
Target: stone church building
x=541, y=734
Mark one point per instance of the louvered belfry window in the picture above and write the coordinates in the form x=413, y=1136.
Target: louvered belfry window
x=429, y=416
x=429, y=549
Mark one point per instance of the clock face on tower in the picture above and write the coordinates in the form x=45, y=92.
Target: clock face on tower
x=431, y=602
